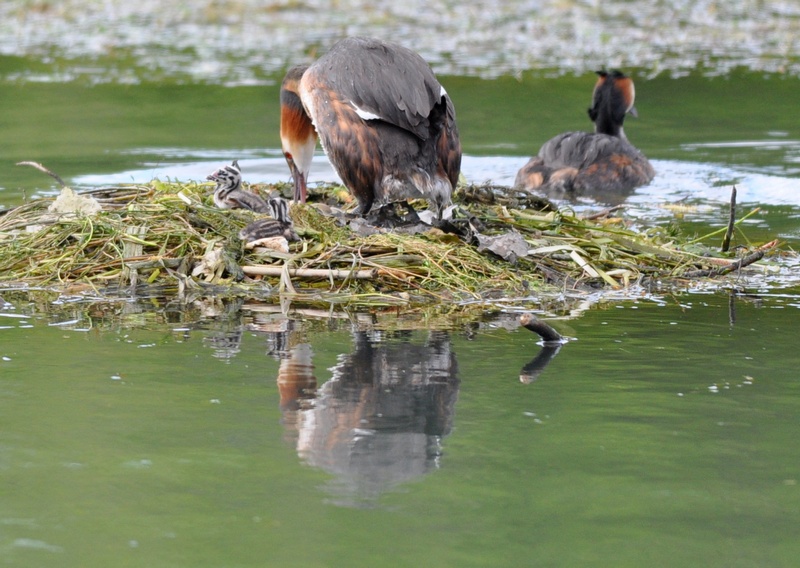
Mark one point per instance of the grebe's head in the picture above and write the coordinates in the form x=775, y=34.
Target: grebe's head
x=612, y=99
x=228, y=178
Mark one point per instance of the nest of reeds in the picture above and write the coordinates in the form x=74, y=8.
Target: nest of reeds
x=171, y=235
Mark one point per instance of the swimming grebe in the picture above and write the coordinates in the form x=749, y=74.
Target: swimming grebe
x=583, y=163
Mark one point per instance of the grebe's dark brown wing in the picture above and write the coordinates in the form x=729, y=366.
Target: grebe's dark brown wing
x=581, y=149
x=384, y=121
x=382, y=80
x=611, y=165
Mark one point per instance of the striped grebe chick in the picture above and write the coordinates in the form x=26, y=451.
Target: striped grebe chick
x=229, y=193
x=280, y=225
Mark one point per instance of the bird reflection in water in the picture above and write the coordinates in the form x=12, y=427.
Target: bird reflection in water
x=297, y=384
x=380, y=419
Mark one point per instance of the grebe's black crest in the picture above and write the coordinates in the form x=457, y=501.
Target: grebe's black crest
x=602, y=164
x=385, y=122
x=229, y=193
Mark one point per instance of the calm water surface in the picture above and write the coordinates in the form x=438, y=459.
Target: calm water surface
x=156, y=432
x=664, y=435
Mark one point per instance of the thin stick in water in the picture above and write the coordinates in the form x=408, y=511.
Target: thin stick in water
x=41, y=168
x=755, y=256
x=726, y=240
x=534, y=324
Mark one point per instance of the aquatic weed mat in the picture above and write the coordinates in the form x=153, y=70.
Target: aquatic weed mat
x=510, y=244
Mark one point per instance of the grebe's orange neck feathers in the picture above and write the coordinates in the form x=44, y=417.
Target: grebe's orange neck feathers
x=298, y=137
x=612, y=99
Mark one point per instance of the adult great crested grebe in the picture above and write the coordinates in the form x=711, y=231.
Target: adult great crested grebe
x=598, y=163
x=385, y=123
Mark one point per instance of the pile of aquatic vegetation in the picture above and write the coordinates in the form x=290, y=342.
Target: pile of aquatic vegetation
x=170, y=235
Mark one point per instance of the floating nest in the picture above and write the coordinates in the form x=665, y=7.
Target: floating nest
x=170, y=236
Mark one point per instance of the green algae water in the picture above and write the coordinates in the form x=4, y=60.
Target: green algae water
x=663, y=434
x=195, y=432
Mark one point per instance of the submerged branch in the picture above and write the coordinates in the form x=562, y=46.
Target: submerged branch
x=545, y=331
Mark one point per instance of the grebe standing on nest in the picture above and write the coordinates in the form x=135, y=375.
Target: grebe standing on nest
x=603, y=162
x=386, y=124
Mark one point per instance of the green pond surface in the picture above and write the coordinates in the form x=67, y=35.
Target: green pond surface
x=663, y=434
x=199, y=432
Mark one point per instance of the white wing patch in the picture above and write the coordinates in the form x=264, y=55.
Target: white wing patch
x=308, y=104
x=365, y=114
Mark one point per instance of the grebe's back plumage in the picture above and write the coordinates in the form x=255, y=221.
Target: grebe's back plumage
x=584, y=163
x=385, y=122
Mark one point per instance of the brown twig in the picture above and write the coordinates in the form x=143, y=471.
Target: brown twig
x=726, y=240
x=534, y=324
x=41, y=168
x=755, y=256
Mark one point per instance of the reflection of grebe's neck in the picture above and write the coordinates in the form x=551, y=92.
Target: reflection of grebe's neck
x=296, y=380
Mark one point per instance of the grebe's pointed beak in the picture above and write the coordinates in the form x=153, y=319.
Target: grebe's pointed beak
x=633, y=112
x=300, y=187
